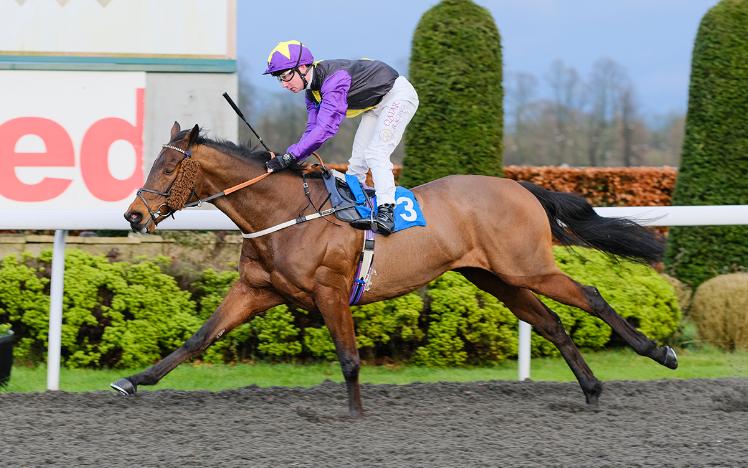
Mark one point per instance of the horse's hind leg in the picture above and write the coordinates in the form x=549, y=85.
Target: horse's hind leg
x=240, y=303
x=529, y=308
x=562, y=288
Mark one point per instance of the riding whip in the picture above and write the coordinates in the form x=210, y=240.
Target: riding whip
x=241, y=116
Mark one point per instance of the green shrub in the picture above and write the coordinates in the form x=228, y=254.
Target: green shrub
x=466, y=325
x=210, y=289
x=114, y=314
x=154, y=316
x=124, y=315
x=24, y=304
x=462, y=317
x=318, y=343
x=455, y=65
x=277, y=335
x=636, y=292
x=388, y=328
x=715, y=147
x=682, y=291
x=720, y=311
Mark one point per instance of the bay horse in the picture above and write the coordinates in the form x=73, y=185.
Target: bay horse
x=496, y=232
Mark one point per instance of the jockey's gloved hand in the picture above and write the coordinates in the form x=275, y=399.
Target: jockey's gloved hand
x=279, y=163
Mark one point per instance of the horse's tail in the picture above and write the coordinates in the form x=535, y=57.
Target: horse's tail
x=574, y=222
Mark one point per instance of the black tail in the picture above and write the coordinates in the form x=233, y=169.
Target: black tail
x=574, y=222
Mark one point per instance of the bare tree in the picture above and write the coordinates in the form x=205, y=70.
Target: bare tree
x=665, y=139
x=627, y=125
x=606, y=84
x=520, y=91
x=568, y=99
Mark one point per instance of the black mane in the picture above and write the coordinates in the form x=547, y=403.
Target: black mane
x=237, y=150
x=225, y=146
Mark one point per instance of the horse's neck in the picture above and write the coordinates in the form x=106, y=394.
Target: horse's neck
x=254, y=207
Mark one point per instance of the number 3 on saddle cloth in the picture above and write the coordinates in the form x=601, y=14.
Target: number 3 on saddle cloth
x=352, y=204
x=407, y=211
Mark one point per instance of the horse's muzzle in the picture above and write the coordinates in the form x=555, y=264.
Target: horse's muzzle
x=135, y=218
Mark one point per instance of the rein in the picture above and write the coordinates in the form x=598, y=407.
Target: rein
x=197, y=203
x=170, y=210
x=227, y=191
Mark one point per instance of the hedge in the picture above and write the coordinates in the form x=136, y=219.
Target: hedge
x=601, y=186
x=131, y=314
x=456, y=68
x=715, y=146
x=604, y=186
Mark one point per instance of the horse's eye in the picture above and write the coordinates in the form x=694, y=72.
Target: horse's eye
x=170, y=166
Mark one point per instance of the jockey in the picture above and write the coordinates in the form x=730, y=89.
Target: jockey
x=345, y=88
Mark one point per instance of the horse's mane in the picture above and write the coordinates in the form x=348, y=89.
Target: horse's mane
x=240, y=151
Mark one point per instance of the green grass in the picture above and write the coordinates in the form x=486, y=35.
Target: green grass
x=607, y=365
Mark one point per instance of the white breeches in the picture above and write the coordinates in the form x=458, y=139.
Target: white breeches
x=380, y=131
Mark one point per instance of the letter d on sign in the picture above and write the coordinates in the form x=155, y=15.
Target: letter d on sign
x=95, y=155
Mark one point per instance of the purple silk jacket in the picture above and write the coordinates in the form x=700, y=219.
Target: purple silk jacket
x=339, y=89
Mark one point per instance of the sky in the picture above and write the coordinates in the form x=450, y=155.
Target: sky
x=651, y=39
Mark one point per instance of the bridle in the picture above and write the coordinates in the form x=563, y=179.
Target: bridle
x=155, y=214
x=188, y=154
x=170, y=210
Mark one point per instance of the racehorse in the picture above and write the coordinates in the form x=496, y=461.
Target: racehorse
x=496, y=232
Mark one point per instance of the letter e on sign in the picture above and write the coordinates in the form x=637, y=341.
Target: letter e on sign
x=59, y=153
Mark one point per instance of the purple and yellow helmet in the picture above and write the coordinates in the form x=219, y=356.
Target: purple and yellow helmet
x=287, y=55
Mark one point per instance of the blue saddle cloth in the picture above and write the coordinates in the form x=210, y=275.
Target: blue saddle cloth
x=407, y=211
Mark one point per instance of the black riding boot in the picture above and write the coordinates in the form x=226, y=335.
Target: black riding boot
x=385, y=219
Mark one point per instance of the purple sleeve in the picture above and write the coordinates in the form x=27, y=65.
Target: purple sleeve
x=324, y=122
x=311, y=116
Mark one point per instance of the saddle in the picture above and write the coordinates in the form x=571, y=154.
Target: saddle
x=343, y=199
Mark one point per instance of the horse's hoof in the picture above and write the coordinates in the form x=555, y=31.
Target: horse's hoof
x=124, y=386
x=592, y=395
x=671, y=360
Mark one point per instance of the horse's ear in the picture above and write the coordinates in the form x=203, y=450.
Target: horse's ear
x=194, y=133
x=175, y=129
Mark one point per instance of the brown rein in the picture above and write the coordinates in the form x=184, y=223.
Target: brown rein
x=241, y=185
x=190, y=170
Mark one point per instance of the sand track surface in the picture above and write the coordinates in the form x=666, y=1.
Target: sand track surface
x=656, y=423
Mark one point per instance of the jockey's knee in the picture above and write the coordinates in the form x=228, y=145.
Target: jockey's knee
x=378, y=161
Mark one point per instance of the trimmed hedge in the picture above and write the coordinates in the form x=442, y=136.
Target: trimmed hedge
x=715, y=148
x=720, y=311
x=114, y=314
x=601, y=186
x=456, y=67
x=637, y=292
x=128, y=315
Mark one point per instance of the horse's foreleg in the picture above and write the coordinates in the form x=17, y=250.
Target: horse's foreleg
x=337, y=314
x=564, y=289
x=240, y=303
x=529, y=308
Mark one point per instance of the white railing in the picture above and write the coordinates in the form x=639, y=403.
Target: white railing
x=205, y=220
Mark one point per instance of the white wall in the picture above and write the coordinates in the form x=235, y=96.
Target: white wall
x=188, y=98
x=184, y=28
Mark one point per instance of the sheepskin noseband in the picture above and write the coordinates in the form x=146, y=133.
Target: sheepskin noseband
x=183, y=185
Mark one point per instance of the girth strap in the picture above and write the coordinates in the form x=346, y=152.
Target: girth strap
x=290, y=222
x=362, y=279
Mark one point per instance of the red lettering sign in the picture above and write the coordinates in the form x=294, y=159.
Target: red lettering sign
x=95, y=155
x=59, y=153
x=94, y=158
